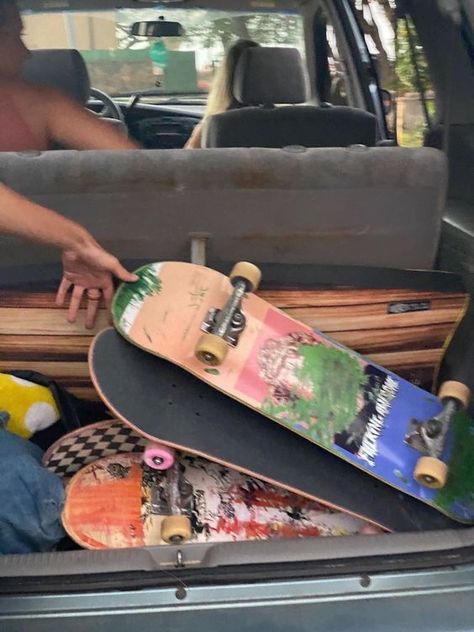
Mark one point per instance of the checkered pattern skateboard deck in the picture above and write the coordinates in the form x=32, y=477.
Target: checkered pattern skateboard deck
x=77, y=449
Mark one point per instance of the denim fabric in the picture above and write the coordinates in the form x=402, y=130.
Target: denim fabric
x=31, y=498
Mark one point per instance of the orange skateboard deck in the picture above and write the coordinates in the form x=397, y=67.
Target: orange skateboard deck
x=301, y=379
x=118, y=501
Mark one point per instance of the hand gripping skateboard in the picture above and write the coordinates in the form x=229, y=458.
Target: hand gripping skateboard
x=214, y=327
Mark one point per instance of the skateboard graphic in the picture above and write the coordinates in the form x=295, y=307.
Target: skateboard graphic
x=125, y=500
x=218, y=330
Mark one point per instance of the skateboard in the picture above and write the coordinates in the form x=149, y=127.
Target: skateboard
x=120, y=501
x=216, y=328
x=248, y=508
x=166, y=404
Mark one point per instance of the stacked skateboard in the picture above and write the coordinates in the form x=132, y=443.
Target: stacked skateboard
x=216, y=329
x=124, y=492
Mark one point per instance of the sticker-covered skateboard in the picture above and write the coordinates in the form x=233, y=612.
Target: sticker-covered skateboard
x=120, y=501
x=166, y=404
x=214, y=327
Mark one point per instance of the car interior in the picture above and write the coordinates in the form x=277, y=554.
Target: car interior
x=306, y=175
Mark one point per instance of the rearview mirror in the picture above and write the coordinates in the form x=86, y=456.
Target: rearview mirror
x=157, y=28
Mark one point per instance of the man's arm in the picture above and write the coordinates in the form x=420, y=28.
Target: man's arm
x=23, y=218
x=72, y=125
x=87, y=266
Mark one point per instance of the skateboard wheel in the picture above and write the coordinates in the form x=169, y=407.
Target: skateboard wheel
x=456, y=390
x=211, y=349
x=247, y=272
x=431, y=472
x=158, y=457
x=176, y=529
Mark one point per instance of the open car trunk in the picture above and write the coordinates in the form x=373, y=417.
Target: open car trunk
x=240, y=585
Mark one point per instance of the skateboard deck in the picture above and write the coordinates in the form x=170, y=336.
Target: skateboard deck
x=298, y=377
x=119, y=501
x=169, y=405
x=76, y=449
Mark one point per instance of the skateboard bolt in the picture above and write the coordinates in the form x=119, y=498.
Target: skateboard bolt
x=157, y=460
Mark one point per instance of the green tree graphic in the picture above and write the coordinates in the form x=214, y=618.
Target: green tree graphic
x=337, y=379
x=460, y=485
x=147, y=285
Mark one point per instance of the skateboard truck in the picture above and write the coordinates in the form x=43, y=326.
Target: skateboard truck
x=430, y=470
x=175, y=528
x=223, y=327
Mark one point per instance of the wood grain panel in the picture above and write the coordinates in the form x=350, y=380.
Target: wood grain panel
x=34, y=332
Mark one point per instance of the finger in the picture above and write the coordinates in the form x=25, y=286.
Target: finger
x=75, y=303
x=62, y=291
x=121, y=273
x=93, y=294
x=108, y=291
x=92, y=310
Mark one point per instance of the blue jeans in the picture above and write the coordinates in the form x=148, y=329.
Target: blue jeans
x=31, y=498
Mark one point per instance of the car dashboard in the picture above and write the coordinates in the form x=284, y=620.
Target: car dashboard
x=162, y=126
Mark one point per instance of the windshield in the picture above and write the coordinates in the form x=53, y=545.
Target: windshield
x=122, y=64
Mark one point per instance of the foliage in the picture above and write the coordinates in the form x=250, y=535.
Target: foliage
x=209, y=29
x=337, y=379
x=405, y=69
x=388, y=34
x=460, y=485
x=147, y=285
x=265, y=29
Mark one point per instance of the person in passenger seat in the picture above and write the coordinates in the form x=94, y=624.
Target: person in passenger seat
x=37, y=118
x=220, y=96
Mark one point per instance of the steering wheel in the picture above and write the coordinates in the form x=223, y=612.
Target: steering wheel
x=110, y=108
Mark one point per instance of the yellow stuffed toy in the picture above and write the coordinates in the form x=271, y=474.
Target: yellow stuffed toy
x=26, y=407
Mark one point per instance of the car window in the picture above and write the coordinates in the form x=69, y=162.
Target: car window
x=402, y=68
x=331, y=72
x=120, y=63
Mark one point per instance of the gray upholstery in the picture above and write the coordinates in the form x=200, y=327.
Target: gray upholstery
x=304, y=125
x=354, y=206
x=268, y=76
x=261, y=77
x=61, y=69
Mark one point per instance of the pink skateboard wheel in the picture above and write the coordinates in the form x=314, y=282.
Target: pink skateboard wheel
x=158, y=457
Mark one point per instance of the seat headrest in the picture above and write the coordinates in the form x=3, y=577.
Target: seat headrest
x=265, y=76
x=61, y=69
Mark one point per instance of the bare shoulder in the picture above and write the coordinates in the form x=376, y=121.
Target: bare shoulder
x=26, y=95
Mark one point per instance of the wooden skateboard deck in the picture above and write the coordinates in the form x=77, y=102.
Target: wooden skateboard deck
x=169, y=405
x=118, y=501
x=300, y=378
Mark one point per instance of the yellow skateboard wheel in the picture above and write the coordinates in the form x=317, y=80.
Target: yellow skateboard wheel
x=457, y=390
x=431, y=472
x=211, y=349
x=248, y=272
x=176, y=529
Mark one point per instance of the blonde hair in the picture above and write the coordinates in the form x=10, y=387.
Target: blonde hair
x=220, y=96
